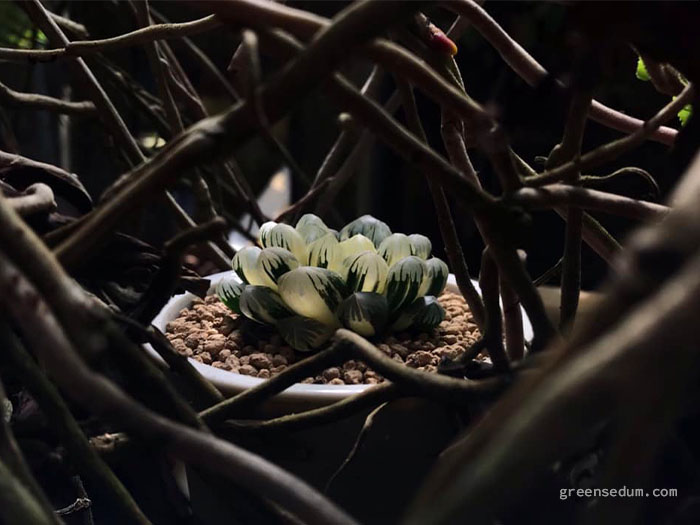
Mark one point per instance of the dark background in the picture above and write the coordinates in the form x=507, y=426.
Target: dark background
x=384, y=185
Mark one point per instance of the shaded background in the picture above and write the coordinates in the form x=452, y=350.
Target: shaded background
x=383, y=185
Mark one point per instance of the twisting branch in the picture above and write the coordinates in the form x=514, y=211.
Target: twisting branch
x=453, y=248
x=616, y=148
x=435, y=386
x=81, y=454
x=569, y=149
x=513, y=318
x=493, y=331
x=165, y=280
x=11, y=454
x=103, y=398
x=533, y=73
x=554, y=195
x=351, y=405
x=239, y=404
x=143, y=36
x=12, y=98
x=17, y=504
x=35, y=199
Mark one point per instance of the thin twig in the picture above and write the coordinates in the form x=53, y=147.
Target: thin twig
x=493, y=331
x=142, y=36
x=533, y=73
x=612, y=150
x=12, y=98
x=349, y=406
x=555, y=195
x=453, y=248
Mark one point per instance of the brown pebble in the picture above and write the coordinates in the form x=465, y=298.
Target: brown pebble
x=331, y=373
x=260, y=361
x=450, y=339
x=247, y=370
x=420, y=358
x=264, y=373
x=206, y=358
x=214, y=346
x=386, y=349
x=336, y=381
x=224, y=354
x=352, y=377
x=279, y=360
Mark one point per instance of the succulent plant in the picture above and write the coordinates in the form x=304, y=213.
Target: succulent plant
x=309, y=280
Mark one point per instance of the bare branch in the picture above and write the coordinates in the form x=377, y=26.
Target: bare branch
x=144, y=35
x=533, y=73
x=616, y=148
x=554, y=195
x=35, y=101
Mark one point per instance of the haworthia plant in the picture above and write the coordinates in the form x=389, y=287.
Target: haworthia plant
x=308, y=280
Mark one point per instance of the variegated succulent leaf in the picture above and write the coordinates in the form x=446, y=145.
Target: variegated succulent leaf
x=304, y=334
x=284, y=236
x=435, y=278
x=365, y=313
x=313, y=292
x=325, y=253
x=369, y=226
x=366, y=272
x=424, y=314
x=395, y=247
x=263, y=305
x=420, y=245
x=404, y=281
x=273, y=263
x=245, y=264
x=355, y=244
x=229, y=291
x=430, y=315
x=311, y=227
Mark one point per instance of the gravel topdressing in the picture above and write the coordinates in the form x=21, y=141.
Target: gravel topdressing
x=208, y=332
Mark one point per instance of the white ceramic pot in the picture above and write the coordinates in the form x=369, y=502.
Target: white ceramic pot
x=298, y=395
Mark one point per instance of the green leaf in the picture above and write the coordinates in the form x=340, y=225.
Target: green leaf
x=420, y=245
x=423, y=314
x=283, y=236
x=311, y=227
x=263, y=305
x=229, y=291
x=366, y=272
x=245, y=264
x=273, y=263
x=264, y=233
x=642, y=73
x=325, y=253
x=395, y=247
x=370, y=227
x=685, y=113
x=404, y=281
x=435, y=278
x=313, y=292
x=354, y=245
x=304, y=334
x=430, y=315
x=365, y=313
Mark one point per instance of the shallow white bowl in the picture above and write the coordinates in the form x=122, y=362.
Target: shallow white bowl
x=230, y=383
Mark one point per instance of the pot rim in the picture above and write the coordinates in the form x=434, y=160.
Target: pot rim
x=231, y=383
